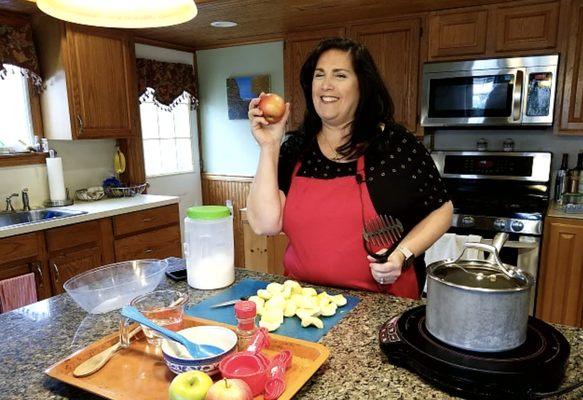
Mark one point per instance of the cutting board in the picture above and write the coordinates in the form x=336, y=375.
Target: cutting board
x=291, y=327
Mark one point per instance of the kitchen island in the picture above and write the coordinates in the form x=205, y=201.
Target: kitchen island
x=37, y=336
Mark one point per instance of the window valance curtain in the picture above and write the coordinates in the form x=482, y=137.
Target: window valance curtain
x=166, y=84
x=17, y=48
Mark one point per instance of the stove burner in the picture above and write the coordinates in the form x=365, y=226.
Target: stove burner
x=538, y=365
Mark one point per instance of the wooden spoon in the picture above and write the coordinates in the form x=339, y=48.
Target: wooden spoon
x=95, y=363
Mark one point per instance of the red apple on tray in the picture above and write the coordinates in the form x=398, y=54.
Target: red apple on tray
x=190, y=385
x=273, y=107
x=229, y=389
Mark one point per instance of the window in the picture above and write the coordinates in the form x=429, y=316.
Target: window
x=167, y=138
x=16, y=123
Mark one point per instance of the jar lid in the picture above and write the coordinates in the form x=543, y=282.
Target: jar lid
x=208, y=212
x=245, y=309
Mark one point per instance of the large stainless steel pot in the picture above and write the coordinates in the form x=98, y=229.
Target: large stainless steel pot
x=478, y=305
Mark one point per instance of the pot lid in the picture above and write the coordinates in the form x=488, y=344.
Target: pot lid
x=480, y=274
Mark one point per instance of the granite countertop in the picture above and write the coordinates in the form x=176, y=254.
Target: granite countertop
x=94, y=210
x=37, y=336
x=556, y=211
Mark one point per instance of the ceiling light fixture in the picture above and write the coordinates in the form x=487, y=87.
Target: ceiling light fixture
x=121, y=13
x=223, y=24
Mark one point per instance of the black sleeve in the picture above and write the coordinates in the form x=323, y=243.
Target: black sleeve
x=289, y=155
x=402, y=178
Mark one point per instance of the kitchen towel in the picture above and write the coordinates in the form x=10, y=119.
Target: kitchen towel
x=291, y=326
x=56, y=180
x=451, y=245
x=17, y=292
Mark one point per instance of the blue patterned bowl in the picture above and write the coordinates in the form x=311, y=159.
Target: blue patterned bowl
x=178, y=360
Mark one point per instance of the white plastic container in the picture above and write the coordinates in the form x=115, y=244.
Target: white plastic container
x=209, y=247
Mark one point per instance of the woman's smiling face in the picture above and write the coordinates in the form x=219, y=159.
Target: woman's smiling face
x=335, y=92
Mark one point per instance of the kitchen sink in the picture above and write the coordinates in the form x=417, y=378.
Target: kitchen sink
x=34, y=216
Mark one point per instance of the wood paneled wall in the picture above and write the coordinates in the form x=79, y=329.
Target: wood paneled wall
x=217, y=189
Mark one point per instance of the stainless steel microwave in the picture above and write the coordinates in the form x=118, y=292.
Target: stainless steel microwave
x=496, y=92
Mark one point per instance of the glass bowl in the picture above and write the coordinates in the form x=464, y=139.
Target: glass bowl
x=112, y=286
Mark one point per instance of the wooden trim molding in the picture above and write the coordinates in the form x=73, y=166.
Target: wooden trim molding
x=230, y=178
x=160, y=43
x=9, y=160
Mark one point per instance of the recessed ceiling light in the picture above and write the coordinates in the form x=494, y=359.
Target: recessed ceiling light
x=223, y=24
x=121, y=13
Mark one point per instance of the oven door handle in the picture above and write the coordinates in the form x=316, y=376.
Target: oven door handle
x=517, y=96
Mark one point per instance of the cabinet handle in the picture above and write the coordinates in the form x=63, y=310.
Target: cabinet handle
x=148, y=251
x=57, y=274
x=80, y=120
x=37, y=268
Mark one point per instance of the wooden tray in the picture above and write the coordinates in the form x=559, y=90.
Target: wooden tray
x=139, y=372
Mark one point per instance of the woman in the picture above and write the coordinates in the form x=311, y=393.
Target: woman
x=348, y=163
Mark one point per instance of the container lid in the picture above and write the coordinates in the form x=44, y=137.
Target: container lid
x=245, y=309
x=480, y=275
x=208, y=212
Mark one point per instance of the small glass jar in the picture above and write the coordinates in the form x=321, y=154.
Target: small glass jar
x=245, y=312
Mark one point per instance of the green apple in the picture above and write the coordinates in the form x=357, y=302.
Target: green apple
x=190, y=385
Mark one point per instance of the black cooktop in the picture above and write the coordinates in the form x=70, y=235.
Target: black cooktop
x=537, y=366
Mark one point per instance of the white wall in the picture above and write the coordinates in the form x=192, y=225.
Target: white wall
x=85, y=163
x=227, y=145
x=187, y=186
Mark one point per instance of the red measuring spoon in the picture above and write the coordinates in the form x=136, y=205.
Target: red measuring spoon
x=275, y=384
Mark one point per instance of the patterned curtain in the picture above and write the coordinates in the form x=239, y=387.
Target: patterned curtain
x=17, y=48
x=166, y=84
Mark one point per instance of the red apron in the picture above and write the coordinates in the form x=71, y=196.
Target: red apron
x=323, y=219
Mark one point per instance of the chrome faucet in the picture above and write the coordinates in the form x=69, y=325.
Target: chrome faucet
x=25, y=200
x=9, y=207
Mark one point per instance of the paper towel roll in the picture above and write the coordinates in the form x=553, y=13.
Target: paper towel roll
x=56, y=181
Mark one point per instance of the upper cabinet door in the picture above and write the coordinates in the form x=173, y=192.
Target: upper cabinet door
x=460, y=33
x=394, y=46
x=297, y=48
x=526, y=27
x=100, y=81
x=571, y=118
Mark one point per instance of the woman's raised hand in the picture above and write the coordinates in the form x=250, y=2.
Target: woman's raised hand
x=266, y=134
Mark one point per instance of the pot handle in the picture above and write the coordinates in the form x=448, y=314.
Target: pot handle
x=494, y=254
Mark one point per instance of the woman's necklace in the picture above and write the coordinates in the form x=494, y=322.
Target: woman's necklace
x=336, y=156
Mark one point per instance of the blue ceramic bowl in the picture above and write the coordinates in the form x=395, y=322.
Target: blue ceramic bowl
x=179, y=360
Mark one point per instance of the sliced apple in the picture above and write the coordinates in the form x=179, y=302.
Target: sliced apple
x=264, y=294
x=317, y=322
x=339, y=300
x=274, y=288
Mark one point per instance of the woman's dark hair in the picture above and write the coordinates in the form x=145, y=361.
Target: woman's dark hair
x=375, y=105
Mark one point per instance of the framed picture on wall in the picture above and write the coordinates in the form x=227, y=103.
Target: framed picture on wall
x=240, y=91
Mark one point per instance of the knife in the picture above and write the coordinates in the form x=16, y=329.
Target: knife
x=229, y=302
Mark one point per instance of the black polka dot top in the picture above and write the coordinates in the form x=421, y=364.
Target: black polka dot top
x=400, y=175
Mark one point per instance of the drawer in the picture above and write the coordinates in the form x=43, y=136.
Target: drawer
x=160, y=243
x=143, y=220
x=18, y=247
x=73, y=235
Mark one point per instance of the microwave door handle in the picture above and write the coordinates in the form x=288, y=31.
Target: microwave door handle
x=517, y=98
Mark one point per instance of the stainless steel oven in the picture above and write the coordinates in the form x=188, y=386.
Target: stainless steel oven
x=499, y=192
x=496, y=92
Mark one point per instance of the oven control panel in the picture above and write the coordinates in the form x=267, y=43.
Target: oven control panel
x=509, y=225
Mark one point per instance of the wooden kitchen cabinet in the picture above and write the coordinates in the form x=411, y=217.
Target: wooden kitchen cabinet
x=153, y=233
x=297, y=47
x=571, y=109
x=457, y=33
x=24, y=254
x=262, y=253
x=91, y=90
x=560, y=282
x=510, y=29
x=526, y=27
x=395, y=48
x=77, y=248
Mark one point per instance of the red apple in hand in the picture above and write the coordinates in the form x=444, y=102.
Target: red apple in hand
x=273, y=107
x=229, y=389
